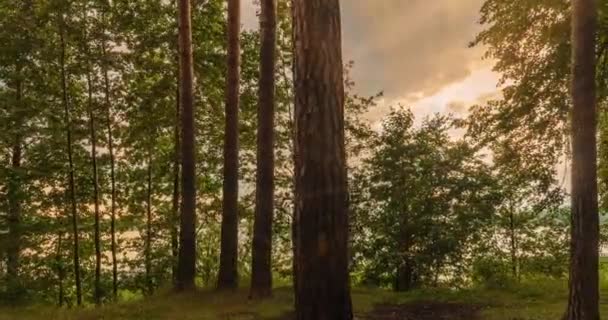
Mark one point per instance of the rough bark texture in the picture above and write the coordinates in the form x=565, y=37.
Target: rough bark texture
x=261, y=273
x=71, y=187
x=228, y=274
x=97, y=295
x=323, y=290
x=187, y=248
x=583, y=302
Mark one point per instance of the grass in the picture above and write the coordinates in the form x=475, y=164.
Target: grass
x=535, y=300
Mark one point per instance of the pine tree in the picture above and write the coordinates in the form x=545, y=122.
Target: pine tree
x=583, y=302
x=261, y=267
x=187, y=248
x=323, y=290
x=228, y=273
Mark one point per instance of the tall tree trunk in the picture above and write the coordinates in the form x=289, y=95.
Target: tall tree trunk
x=175, y=200
x=14, y=203
x=71, y=188
x=583, y=302
x=148, y=241
x=97, y=235
x=321, y=179
x=109, y=123
x=187, y=248
x=261, y=273
x=14, y=188
x=228, y=274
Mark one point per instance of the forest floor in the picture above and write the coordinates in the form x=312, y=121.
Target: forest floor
x=537, y=300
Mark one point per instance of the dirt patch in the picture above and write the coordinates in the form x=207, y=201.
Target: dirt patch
x=425, y=311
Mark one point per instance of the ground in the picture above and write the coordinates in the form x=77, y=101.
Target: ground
x=537, y=300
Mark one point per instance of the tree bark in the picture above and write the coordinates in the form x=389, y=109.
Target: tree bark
x=321, y=177
x=60, y=271
x=109, y=122
x=14, y=203
x=187, y=248
x=404, y=279
x=175, y=199
x=405, y=276
x=261, y=273
x=71, y=187
x=148, y=241
x=513, y=236
x=583, y=302
x=97, y=235
x=228, y=274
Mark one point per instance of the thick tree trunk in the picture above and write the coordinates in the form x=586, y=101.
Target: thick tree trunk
x=97, y=235
x=583, y=302
x=261, y=273
x=148, y=241
x=109, y=122
x=323, y=289
x=175, y=200
x=187, y=247
x=14, y=206
x=71, y=187
x=228, y=274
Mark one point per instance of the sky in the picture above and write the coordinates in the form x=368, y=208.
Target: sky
x=414, y=51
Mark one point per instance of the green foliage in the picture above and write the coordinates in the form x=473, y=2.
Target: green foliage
x=420, y=198
x=486, y=209
x=136, y=42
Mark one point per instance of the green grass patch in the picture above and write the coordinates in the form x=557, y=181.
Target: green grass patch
x=532, y=300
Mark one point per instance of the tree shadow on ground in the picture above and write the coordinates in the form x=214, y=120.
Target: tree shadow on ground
x=417, y=311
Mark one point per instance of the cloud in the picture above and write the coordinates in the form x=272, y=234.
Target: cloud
x=410, y=46
x=457, y=107
x=416, y=51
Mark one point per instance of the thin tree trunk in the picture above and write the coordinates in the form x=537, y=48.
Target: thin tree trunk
x=321, y=176
x=405, y=271
x=187, y=248
x=14, y=206
x=72, y=192
x=97, y=235
x=175, y=200
x=60, y=271
x=294, y=157
x=261, y=273
x=513, y=236
x=148, y=244
x=583, y=302
x=228, y=274
x=109, y=122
